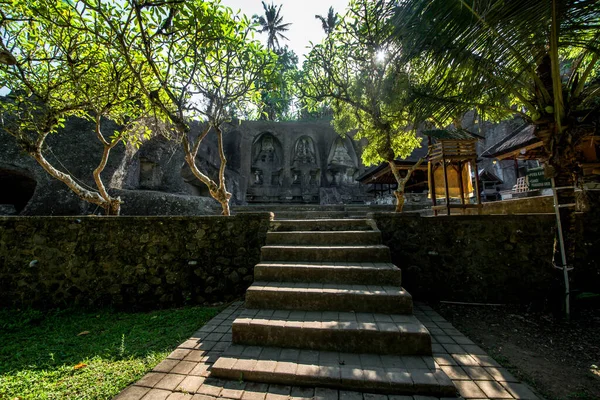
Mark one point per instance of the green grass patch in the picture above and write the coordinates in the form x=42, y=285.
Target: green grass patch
x=42, y=353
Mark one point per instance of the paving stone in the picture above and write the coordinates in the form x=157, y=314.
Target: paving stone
x=455, y=372
x=165, y=366
x=465, y=359
x=374, y=396
x=195, y=356
x=203, y=397
x=493, y=390
x=500, y=374
x=519, y=391
x=299, y=393
x=150, y=379
x=190, y=384
x=200, y=370
x=485, y=360
x=179, y=354
x=473, y=349
x=233, y=389
x=460, y=339
x=255, y=391
x=454, y=349
x=469, y=390
x=132, y=393
x=183, y=367
x=169, y=382
x=477, y=373
x=444, y=339
x=157, y=394
x=180, y=396
x=444, y=359
x=345, y=394
x=211, y=387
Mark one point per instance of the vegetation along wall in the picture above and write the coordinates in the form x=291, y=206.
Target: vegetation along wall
x=130, y=262
x=489, y=258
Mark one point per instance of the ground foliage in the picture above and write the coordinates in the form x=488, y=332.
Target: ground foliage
x=71, y=354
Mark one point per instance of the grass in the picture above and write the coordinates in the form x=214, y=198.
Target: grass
x=72, y=354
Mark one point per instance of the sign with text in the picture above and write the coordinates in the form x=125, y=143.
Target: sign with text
x=537, y=180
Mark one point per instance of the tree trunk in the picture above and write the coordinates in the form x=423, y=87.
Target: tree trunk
x=224, y=195
x=217, y=192
x=399, y=200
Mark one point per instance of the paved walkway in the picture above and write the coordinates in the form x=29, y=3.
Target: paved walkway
x=184, y=375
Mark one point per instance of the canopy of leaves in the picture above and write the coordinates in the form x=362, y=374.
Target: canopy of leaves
x=278, y=88
x=535, y=58
x=356, y=70
x=61, y=70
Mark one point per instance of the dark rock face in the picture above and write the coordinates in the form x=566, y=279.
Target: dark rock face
x=145, y=202
x=266, y=162
x=74, y=149
x=129, y=262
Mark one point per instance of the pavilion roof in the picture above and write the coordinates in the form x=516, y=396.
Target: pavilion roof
x=520, y=138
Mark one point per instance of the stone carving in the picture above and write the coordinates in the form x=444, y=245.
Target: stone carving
x=305, y=171
x=304, y=152
x=341, y=167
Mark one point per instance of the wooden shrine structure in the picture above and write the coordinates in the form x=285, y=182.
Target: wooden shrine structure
x=452, y=157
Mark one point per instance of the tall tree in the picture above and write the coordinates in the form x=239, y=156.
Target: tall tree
x=355, y=69
x=57, y=70
x=202, y=62
x=538, y=59
x=278, y=89
x=272, y=23
x=330, y=22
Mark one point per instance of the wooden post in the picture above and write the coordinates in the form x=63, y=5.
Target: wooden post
x=474, y=162
x=446, y=184
x=460, y=183
x=431, y=170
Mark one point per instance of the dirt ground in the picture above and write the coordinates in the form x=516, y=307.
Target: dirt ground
x=560, y=359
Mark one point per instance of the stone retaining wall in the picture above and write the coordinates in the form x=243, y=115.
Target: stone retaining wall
x=489, y=258
x=525, y=205
x=130, y=262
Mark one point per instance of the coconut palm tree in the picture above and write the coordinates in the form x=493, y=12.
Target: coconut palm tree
x=330, y=22
x=538, y=59
x=271, y=23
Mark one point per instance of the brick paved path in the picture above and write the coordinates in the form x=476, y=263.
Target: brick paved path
x=184, y=375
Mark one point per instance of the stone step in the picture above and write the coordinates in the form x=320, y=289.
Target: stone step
x=323, y=225
x=386, y=374
x=309, y=214
x=324, y=238
x=328, y=297
x=333, y=331
x=345, y=273
x=374, y=253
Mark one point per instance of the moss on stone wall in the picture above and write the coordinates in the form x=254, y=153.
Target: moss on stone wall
x=130, y=262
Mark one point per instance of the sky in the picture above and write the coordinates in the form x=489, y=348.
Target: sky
x=305, y=27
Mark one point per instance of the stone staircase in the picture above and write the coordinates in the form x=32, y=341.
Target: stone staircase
x=327, y=309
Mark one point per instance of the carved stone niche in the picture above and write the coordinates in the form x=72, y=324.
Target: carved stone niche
x=305, y=172
x=342, y=164
x=266, y=168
